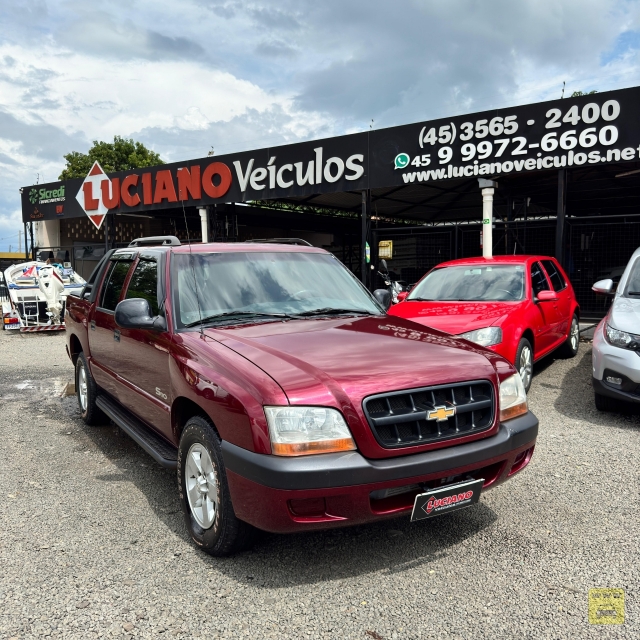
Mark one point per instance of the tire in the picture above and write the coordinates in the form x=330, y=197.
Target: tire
x=524, y=362
x=615, y=405
x=87, y=393
x=202, y=479
x=570, y=347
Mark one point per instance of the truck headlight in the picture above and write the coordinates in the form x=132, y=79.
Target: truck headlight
x=300, y=431
x=484, y=337
x=513, y=398
x=620, y=338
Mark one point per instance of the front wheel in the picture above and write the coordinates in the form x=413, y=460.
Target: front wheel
x=572, y=343
x=524, y=362
x=204, y=492
x=606, y=403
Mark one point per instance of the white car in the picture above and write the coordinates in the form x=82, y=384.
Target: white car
x=616, y=341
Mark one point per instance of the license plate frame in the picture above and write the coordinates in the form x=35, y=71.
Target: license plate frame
x=453, y=497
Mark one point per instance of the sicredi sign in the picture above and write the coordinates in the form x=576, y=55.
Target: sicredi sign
x=592, y=130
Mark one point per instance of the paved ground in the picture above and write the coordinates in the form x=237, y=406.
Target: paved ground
x=92, y=542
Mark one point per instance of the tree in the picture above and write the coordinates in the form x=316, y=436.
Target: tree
x=119, y=155
x=577, y=94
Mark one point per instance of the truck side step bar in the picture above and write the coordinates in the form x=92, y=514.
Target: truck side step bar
x=160, y=450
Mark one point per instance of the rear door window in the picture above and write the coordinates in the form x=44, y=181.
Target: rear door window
x=113, y=283
x=538, y=279
x=557, y=281
x=144, y=284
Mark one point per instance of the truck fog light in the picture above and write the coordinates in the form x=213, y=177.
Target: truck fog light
x=614, y=380
x=299, y=431
x=513, y=398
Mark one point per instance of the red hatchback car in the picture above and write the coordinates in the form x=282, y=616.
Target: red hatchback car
x=522, y=307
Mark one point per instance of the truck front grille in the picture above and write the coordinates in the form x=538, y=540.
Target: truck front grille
x=430, y=414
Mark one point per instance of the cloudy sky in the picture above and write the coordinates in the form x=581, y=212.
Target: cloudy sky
x=232, y=74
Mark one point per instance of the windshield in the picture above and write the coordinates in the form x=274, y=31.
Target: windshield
x=244, y=285
x=497, y=283
x=633, y=281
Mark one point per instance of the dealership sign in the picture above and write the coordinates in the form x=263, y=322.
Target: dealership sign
x=596, y=129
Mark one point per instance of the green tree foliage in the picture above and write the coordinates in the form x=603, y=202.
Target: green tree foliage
x=119, y=155
x=577, y=94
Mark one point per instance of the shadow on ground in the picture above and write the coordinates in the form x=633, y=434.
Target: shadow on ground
x=391, y=546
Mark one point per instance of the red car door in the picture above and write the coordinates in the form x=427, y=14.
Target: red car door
x=563, y=304
x=143, y=355
x=545, y=313
x=103, y=331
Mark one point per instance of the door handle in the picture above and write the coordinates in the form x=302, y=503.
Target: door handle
x=116, y=335
x=93, y=325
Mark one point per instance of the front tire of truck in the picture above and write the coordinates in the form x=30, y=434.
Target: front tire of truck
x=87, y=393
x=204, y=492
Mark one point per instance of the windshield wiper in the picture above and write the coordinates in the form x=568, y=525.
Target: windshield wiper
x=241, y=314
x=633, y=293
x=330, y=311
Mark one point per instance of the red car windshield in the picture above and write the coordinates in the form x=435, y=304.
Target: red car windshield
x=503, y=283
x=241, y=287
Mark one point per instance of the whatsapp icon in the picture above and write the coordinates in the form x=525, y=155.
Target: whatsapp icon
x=402, y=160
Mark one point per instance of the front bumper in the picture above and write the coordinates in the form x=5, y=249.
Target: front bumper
x=616, y=359
x=281, y=495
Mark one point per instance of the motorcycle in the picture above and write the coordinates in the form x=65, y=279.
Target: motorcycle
x=395, y=287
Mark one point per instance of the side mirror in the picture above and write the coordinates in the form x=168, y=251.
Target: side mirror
x=402, y=296
x=547, y=296
x=604, y=286
x=383, y=297
x=382, y=267
x=135, y=313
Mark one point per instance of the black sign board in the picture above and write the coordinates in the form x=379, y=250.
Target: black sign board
x=594, y=130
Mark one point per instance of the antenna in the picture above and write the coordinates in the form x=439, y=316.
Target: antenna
x=564, y=82
x=193, y=271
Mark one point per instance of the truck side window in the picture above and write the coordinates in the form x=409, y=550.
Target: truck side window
x=144, y=284
x=557, y=281
x=113, y=284
x=538, y=280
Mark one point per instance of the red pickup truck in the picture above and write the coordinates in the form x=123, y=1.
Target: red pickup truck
x=283, y=395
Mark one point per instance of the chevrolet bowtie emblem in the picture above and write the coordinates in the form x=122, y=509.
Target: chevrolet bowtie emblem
x=441, y=414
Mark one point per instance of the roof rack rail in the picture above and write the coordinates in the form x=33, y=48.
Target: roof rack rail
x=298, y=241
x=163, y=241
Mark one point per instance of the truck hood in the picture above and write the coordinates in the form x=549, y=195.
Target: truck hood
x=625, y=315
x=339, y=361
x=455, y=317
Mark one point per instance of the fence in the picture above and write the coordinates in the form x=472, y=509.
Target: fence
x=594, y=249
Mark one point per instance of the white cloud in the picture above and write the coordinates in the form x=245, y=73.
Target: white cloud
x=241, y=74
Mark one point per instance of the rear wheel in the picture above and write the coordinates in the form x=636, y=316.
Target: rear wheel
x=87, y=393
x=524, y=362
x=570, y=346
x=204, y=492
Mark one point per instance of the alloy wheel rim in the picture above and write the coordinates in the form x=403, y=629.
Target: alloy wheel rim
x=202, y=485
x=525, y=366
x=575, y=334
x=82, y=388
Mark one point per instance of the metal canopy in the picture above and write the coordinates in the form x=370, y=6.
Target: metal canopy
x=591, y=191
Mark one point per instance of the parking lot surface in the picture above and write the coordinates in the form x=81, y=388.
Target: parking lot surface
x=92, y=542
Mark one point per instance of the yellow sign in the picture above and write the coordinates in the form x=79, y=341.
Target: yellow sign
x=606, y=606
x=385, y=249
x=441, y=414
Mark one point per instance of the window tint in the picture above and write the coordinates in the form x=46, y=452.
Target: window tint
x=557, y=281
x=209, y=284
x=538, y=281
x=113, y=284
x=144, y=284
x=474, y=282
